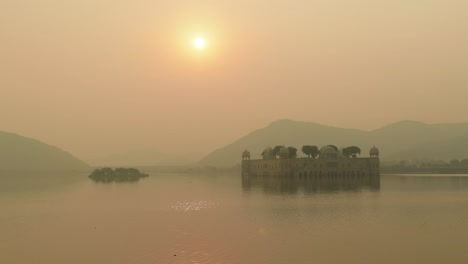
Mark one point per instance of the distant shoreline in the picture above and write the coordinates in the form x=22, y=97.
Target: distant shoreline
x=424, y=171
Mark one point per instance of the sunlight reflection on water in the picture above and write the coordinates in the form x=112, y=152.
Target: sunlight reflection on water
x=187, y=206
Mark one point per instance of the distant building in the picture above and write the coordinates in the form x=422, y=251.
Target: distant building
x=330, y=167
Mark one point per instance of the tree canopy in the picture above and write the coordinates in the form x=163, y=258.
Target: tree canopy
x=310, y=151
x=276, y=149
x=352, y=151
x=292, y=152
x=117, y=175
x=464, y=162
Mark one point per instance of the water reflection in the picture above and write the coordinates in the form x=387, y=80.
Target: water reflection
x=272, y=185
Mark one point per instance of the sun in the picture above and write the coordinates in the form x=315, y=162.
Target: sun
x=199, y=43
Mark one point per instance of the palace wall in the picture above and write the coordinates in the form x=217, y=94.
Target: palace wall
x=307, y=169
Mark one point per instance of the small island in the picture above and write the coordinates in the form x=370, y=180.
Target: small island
x=117, y=175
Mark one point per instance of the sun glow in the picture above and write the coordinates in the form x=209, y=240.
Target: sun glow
x=199, y=43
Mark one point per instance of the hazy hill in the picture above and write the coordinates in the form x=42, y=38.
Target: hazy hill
x=21, y=154
x=405, y=139
x=449, y=149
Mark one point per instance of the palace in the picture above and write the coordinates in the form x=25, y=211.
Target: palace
x=331, y=166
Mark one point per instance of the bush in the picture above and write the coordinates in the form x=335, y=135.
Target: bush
x=117, y=175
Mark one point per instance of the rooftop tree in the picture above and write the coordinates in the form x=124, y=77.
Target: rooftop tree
x=352, y=151
x=310, y=151
x=292, y=152
x=276, y=150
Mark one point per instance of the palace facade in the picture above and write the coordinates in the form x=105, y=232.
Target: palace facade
x=330, y=167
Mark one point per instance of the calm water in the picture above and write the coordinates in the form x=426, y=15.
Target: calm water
x=217, y=219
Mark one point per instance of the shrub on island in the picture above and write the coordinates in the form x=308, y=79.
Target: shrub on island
x=117, y=175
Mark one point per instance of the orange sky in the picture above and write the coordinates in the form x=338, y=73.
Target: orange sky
x=101, y=76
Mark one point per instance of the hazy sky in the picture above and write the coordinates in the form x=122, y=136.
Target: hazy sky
x=101, y=76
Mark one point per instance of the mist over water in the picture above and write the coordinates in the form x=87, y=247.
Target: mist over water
x=219, y=219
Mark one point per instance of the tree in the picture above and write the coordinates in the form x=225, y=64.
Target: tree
x=346, y=152
x=438, y=164
x=464, y=162
x=403, y=163
x=310, y=151
x=352, y=151
x=276, y=150
x=306, y=149
x=315, y=152
x=455, y=163
x=292, y=152
x=119, y=175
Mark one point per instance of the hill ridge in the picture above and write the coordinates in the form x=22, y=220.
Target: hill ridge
x=19, y=153
x=394, y=140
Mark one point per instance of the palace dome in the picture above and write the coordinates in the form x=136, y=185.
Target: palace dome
x=374, y=151
x=328, y=150
x=246, y=153
x=284, y=151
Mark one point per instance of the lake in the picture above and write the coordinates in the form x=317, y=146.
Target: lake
x=220, y=219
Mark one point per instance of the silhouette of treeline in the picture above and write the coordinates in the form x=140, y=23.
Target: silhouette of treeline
x=314, y=151
x=455, y=163
x=426, y=166
x=117, y=175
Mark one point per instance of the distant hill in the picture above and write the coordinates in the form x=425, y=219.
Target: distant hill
x=21, y=154
x=401, y=140
x=438, y=150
